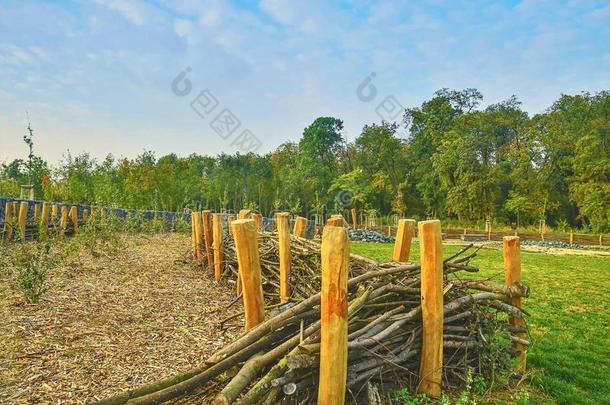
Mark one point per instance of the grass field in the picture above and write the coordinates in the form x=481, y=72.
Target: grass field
x=569, y=362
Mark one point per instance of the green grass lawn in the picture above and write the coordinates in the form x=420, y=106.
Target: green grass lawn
x=569, y=323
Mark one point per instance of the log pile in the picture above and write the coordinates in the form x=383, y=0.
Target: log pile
x=305, y=277
x=277, y=361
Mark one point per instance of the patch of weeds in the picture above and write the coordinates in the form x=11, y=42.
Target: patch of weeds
x=30, y=266
x=181, y=226
x=522, y=397
x=465, y=397
x=222, y=378
x=404, y=397
x=154, y=226
x=98, y=238
x=479, y=385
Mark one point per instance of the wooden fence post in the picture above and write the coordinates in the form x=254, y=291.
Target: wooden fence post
x=229, y=220
x=218, y=239
x=431, y=256
x=512, y=273
x=283, y=230
x=258, y=220
x=45, y=220
x=23, y=216
x=246, y=246
x=600, y=239
x=206, y=219
x=335, y=220
x=333, y=315
x=74, y=217
x=402, y=244
x=354, y=219
x=300, y=227
x=63, y=222
x=571, y=237
x=36, y=212
x=85, y=215
x=54, y=212
x=197, y=234
x=8, y=218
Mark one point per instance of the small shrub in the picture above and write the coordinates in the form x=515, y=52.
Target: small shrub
x=404, y=397
x=181, y=226
x=31, y=266
x=98, y=239
x=465, y=397
x=522, y=397
x=154, y=226
x=479, y=385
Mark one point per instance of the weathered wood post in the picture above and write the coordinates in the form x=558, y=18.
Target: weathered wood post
x=335, y=220
x=354, y=219
x=93, y=212
x=431, y=256
x=333, y=315
x=218, y=239
x=206, y=219
x=571, y=237
x=85, y=215
x=74, y=217
x=45, y=220
x=22, y=220
x=198, y=234
x=229, y=220
x=300, y=227
x=258, y=220
x=36, y=212
x=512, y=272
x=402, y=244
x=8, y=218
x=283, y=230
x=601, y=239
x=246, y=246
x=54, y=213
x=63, y=221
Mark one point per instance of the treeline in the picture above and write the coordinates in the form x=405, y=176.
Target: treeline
x=458, y=161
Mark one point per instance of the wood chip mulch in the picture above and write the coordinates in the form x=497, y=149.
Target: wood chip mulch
x=112, y=323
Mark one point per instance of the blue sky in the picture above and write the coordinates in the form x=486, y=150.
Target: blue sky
x=97, y=76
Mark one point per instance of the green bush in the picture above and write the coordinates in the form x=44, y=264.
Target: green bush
x=31, y=264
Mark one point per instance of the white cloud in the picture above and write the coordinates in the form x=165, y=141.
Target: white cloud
x=182, y=27
x=130, y=9
x=21, y=56
x=210, y=17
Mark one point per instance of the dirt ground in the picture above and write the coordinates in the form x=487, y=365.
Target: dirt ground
x=112, y=323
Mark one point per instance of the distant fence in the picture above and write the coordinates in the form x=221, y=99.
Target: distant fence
x=27, y=218
x=478, y=234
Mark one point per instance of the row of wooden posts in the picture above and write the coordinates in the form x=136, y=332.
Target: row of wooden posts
x=487, y=232
x=335, y=252
x=16, y=213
